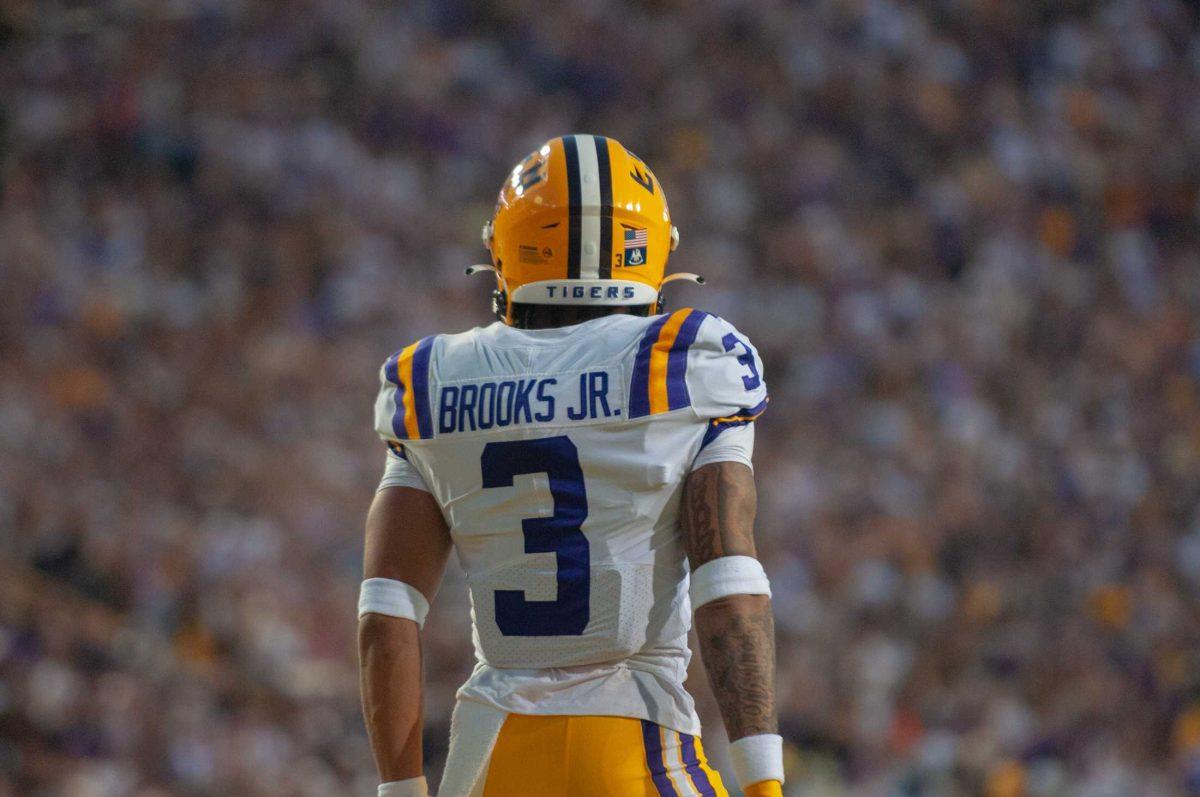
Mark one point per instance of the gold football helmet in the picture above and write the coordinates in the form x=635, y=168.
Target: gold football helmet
x=580, y=221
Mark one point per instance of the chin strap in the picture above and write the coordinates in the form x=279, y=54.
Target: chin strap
x=678, y=275
x=681, y=275
x=500, y=295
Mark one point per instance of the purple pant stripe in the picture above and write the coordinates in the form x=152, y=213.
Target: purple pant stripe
x=691, y=762
x=652, y=739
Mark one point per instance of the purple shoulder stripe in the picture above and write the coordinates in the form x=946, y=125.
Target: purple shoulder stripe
x=677, y=391
x=391, y=374
x=420, y=385
x=639, y=387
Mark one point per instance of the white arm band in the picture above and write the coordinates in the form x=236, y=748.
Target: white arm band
x=757, y=758
x=728, y=575
x=413, y=787
x=393, y=598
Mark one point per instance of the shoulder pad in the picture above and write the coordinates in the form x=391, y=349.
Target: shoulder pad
x=402, y=409
x=725, y=374
x=691, y=358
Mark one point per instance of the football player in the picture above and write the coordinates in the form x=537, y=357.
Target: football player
x=589, y=459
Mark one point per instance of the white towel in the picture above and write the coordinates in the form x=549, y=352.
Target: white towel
x=474, y=728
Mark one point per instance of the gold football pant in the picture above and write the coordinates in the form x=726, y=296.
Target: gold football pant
x=548, y=756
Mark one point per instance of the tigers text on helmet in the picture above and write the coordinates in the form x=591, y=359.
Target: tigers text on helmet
x=580, y=221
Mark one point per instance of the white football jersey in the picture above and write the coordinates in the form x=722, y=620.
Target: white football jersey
x=558, y=457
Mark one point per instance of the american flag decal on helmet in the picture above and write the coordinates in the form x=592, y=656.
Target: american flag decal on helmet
x=635, y=246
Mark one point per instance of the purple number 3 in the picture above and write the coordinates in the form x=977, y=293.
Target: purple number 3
x=747, y=359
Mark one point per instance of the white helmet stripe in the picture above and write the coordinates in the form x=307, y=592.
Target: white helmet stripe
x=589, y=185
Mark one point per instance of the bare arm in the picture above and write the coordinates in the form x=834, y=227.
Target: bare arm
x=407, y=540
x=737, y=632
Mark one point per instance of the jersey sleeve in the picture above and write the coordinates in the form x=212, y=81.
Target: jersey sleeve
x=402, y=407
x=725, y=375
x=727, y=443
x=399, y=472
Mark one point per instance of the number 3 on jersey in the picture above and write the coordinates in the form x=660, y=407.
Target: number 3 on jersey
x=730, y=342
x=559, y=534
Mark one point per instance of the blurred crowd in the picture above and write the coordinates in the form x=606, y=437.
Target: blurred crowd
x=962, y=233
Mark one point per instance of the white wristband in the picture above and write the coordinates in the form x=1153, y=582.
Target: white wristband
x=757, y=758
x=413, y=787
x=728, y=575
x=393, y=598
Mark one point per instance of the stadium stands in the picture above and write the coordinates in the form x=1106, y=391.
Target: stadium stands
x=962, y=233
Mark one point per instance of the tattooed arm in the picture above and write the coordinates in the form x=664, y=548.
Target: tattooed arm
x=736, y=632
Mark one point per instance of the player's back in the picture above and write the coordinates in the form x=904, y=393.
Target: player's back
x=558, y=458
